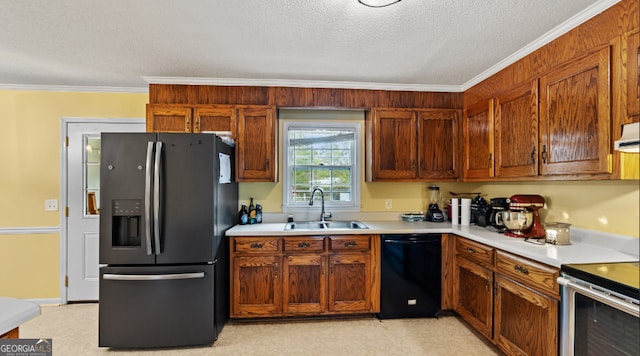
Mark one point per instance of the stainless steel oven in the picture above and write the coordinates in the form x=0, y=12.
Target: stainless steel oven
x=600, y=310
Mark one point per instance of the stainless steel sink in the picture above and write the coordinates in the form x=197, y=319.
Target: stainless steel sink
x=325, y=225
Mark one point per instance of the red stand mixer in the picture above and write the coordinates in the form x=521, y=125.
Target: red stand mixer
x=522, y=219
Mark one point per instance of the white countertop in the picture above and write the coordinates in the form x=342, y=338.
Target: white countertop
x=15, y=312
x=586, y=246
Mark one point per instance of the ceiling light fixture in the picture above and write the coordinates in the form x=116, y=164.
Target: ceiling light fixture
x=378, y=3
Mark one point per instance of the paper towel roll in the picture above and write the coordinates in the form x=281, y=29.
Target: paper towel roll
x=465, y=212
x=454, y=211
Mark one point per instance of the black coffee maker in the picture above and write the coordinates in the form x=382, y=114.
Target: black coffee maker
x=498, y=205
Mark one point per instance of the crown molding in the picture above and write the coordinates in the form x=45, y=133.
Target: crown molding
x=75, y=88
x=543, y=40
x=300, y=84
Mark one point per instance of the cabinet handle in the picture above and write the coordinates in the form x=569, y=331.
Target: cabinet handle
x=487, y=285
x=322, y=268
x=303, y=244
x=256, y=245
x=521, y=269
x=533, y=156
x=490, y=160
x=471, y=249
x=349, y=243
x=544, y=154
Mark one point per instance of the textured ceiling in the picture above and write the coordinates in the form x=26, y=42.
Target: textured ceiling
x=414, y=44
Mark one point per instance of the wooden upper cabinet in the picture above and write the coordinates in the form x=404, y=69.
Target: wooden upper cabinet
x=575, y=117
x=215, y=118
x=477, y=128
x=516, y=131
x=256, y=159
x=438, y=143
x=394, y=144
x=633, y=76
x=168, y=118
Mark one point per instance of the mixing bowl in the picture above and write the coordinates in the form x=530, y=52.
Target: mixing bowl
x=515, y=221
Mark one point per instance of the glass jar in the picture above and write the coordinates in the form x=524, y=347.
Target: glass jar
x=558, y=233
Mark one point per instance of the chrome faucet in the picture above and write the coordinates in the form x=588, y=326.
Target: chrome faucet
x=323, y=215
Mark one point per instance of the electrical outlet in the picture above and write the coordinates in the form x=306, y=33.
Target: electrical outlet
x=388, y=204
x=51, y=205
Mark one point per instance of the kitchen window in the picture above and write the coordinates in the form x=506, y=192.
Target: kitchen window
x=321, y=154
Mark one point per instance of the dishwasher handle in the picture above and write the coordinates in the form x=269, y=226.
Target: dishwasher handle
x=412, y=241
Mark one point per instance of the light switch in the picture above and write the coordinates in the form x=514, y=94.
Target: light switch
x=388, y=204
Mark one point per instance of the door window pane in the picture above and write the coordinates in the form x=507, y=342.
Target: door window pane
x=91, y=179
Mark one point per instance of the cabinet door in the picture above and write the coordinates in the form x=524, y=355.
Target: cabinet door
x=168, y=118
x=575, y=117
x=438, y=144
x=304, y=284
x=256, y=159
x=214, y=118
x=525, y=321
x=350, y=282
x=477, y=128
x=256, y=286
x=516, y=139
x=633, y=76
x=394, y=144
x=472, y=295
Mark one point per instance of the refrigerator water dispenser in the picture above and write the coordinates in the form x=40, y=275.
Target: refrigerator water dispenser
x=127, y=214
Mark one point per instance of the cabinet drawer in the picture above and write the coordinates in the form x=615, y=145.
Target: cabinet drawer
x=303, y=244
x=350, y=243
x=533, y=274
x=255, y=244
x=474, y=251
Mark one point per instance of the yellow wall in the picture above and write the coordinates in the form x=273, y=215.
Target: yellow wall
x=30, y=174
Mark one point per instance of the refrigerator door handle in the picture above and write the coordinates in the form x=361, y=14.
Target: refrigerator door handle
x=156, y=197
x=152, y=277
x=147, y=196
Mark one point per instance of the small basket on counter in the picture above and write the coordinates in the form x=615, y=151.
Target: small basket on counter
x=413, y=217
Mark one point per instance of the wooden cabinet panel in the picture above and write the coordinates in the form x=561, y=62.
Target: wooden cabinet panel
x=516, y=135
x=474, y=251
x=473, y=295
x=478, y=141
x=215, y=118
x=575, y=117
x=394, y=144
x=303, y=244
x=168, y=118
x=633, y=76
x=438, y=144
x=256, y=158
x=304, y=284
x=525, y=321
x=350, y=243
x=255, y=244
x=257, y=290
x=350, y=282
x=531, y=273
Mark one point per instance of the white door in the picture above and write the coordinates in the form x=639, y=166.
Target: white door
x=83, y=201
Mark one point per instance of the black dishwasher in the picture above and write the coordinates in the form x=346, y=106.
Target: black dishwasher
x=411, y=276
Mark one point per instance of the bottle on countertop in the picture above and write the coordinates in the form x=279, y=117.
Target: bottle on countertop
x=258, y=214
x=252, y=212
x=243, y=215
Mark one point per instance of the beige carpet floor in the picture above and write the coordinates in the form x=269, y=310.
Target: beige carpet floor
x=74, y=330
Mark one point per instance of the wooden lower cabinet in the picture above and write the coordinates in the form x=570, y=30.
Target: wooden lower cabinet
x=473, y=295
x=304, y=275
x=511, y=300
x=525, y=321
x=256, y=288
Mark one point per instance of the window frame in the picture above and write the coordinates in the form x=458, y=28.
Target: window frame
x=356, y=165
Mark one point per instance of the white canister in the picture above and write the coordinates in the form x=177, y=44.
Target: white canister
x=455, y=220
x=465, y=212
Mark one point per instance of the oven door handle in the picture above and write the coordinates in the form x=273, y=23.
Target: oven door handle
x=617, y=303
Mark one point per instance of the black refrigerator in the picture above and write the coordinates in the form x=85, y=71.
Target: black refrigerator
x=166, y=201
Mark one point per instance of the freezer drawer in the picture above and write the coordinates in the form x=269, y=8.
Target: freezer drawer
x=156, y=306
